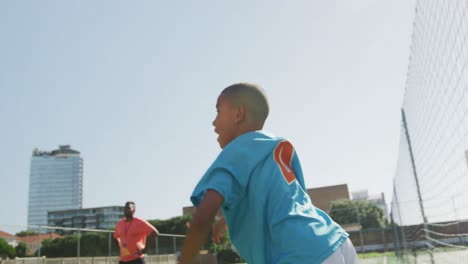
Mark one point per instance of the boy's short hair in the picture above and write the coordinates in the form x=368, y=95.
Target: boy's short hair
x=253, y=97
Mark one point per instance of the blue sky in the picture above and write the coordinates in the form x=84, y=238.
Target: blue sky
x=133, y=87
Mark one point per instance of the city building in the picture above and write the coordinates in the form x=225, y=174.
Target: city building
x=88, y=218
x=378, y=199
x=55, y=183
x=188, y=210
x=323, y=197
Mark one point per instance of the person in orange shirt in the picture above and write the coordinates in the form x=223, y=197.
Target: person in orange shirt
x=131, y=233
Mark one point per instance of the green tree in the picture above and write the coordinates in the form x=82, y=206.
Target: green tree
x=91, y=244
x=94, y=244
x=6, y=250
x=175, y=225
x=60, y=247
x=26, y=233
x=365, y=213
x=224, y=251
x=178, y=225
x=21, y=250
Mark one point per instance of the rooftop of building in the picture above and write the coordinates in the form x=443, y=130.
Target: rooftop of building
x=6, y=235
x=330, y=187
x=38, y=237
x=62, y=150
x=85, y=209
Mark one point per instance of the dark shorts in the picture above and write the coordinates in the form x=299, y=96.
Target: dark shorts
x=135, y=261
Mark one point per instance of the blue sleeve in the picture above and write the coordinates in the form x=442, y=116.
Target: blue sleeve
x=222, y=181
x=296, y=165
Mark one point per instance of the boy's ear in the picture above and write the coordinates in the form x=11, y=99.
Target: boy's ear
x=239, y=114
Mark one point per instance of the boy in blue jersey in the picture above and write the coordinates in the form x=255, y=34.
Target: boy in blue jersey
x=257, y=183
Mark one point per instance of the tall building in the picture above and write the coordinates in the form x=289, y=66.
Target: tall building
x=55, y=183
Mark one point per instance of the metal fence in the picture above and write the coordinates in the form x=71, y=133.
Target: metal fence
x=430, y=201
x=80, y=242
x=155, y=259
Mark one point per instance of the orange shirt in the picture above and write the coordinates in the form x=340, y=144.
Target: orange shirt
x=131, y=236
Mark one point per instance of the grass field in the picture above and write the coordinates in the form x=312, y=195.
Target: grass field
x=439, y=256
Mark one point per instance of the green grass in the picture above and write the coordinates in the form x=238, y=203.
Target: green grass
x=376, y=254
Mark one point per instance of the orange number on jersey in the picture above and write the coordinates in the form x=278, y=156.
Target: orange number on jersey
x=283, y=155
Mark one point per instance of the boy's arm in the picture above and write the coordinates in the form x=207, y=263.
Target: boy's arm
x=200, y=225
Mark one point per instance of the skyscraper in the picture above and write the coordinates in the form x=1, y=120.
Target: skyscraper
x=55, y=183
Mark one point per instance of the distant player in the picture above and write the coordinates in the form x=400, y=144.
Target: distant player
x=131, y=233
x=257, y=182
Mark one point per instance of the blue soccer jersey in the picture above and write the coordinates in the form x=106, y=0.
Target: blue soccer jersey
x=269, y=214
